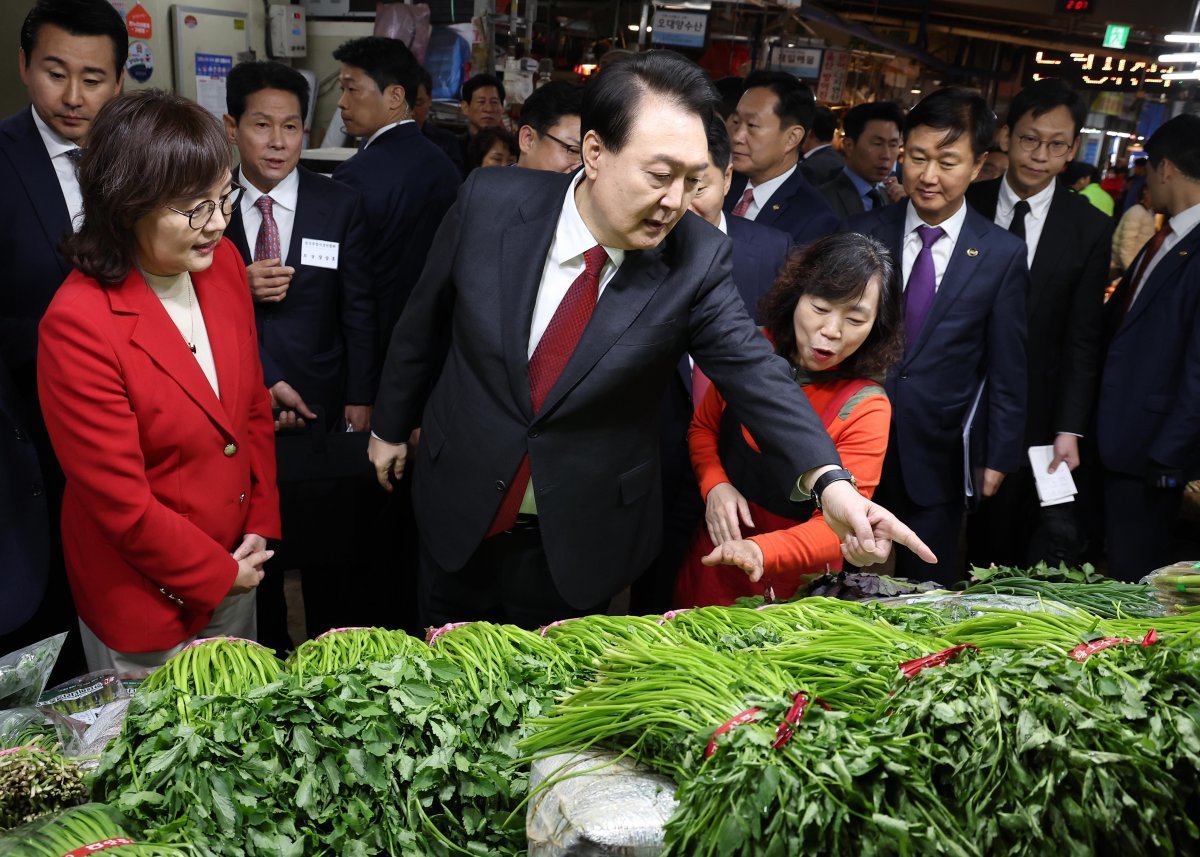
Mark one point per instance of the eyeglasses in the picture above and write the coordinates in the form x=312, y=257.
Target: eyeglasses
x=199, y=216
x=574, y=151
x=1055, y=148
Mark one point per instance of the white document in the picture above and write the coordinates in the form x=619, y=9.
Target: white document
x=1053, y=488
x=319, y=254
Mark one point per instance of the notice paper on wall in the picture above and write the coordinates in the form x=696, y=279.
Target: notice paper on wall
x=211, y=73
x=1053, y=488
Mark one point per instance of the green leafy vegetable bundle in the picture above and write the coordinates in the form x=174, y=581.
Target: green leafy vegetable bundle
x=33, y=782
x=90, y=828
x=1081, y=588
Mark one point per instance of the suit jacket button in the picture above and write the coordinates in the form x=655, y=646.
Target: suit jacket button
x=36, y=490
x=230, y=450
x=20, y=435
x=500, y=486
x=903, y=377
x=533, y=433
x=242, y=498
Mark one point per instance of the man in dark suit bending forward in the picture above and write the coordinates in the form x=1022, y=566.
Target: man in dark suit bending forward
x=535, y=351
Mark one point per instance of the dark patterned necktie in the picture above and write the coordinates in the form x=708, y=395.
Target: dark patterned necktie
x=266, y=246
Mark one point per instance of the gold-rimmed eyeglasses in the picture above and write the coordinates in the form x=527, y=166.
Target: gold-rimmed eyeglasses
x=199, y=216
x=1056, y=148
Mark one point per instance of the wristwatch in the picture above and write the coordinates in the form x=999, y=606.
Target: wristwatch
x=827, y=479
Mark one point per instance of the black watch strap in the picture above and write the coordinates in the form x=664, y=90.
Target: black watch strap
x=827, y=479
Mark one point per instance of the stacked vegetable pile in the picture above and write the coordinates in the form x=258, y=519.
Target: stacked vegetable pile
x=818, y=726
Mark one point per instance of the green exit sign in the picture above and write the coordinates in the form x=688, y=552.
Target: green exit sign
x=1115, y=36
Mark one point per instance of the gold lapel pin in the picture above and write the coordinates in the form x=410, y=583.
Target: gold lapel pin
x=1183, y=252
x=775, y=207
x=972, y=252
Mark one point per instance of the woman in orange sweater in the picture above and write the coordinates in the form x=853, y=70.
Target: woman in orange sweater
x=834, y=314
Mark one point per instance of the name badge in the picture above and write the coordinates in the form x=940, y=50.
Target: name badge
x=319, y=254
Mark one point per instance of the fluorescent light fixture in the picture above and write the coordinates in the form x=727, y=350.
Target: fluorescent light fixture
x=915, y=91
x=1185, y=57
x=1182, y=38
x=1182, y=75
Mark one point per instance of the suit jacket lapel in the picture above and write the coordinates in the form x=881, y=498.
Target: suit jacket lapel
x=223, y=333
x=36, y=172
x=623, y=299
x=969, y=253
x=236, y=230
x=1163, y=273
x=311, y=213
x=1050, y=253
x=770, y=213
x=155, y=333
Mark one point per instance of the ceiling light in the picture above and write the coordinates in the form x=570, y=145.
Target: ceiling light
x=1182, y=38
x=1186, y=57
x=1182, y=75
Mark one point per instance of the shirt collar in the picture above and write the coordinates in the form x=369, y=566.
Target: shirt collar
x=284, y=194
x=860, y=184
x=952, y=225
x=571, y=237
x=1039, y=203
x=764, y=191
x=723, y=225
x=813, y=151
x=1186, y=220
x=383, y=131
x=55, y=144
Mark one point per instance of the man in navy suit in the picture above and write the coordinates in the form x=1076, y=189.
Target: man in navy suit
x=819, y=160
x=768, y=187
x=72, y=62
x=1070, y=242
x=306, y=246
x=1148, y=413
x=871, y=144
x=406, y=181
x=759, y=252
x=536, y=351
x=965, y=286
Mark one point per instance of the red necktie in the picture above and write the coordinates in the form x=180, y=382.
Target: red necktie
x=1152, y=248
x=548, y=360
x=266, y=246
x=743, y=204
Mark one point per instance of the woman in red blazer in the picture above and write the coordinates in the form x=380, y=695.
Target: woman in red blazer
x=153, y=393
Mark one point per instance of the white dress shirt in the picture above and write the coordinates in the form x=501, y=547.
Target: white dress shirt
x=179, y=300
x=564, y=263
x=763, y=192
x=1181, y=224
x=1035, y=220
x=942, y=249
x=284, y=197
x=57, y=148
x=383, y=131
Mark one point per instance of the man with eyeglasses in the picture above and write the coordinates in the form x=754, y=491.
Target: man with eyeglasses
x=71, y=61
x=549, y=129
x=1069, y=246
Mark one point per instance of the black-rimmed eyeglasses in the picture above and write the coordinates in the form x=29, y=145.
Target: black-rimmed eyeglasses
x=199, y=216
x=574, y=151
x=1055, y=148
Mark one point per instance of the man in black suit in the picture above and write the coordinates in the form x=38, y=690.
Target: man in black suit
x=767, y=130
x=305, y=242
x=482, y=103
x=406, y=181
x=445, y=140
x=819, y=160
x=1069, y=245
x=965, y=286
x=72, y=62
x=536, y=350
x=548, y=132
x=1148, y=411
x=870, y=144
x=759, y=252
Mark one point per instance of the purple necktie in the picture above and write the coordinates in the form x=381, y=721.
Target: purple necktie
x=922, y=284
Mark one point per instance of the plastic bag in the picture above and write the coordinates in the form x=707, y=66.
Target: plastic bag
x=82, y=697
x=23, y=727
x=24, y=673
x=1176, y=586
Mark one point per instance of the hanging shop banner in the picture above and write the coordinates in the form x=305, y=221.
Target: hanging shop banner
x=832, y=82
x=679, y=29
x=139, y=23
x=1099, y=71
x=804, y=63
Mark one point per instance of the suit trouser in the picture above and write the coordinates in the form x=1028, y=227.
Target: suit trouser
x=939, y=526
x=234, y=617
x=1138, y=523
x=506, y=580
x=1012, y=528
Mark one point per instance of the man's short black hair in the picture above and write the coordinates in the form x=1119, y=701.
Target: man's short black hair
x=549, y=104
x=720, y=150
x=481, y=81
x=956, y=111
x=796, y=105
x=613, y=99
x=386, y=61
x=79, y=18
x=855, y=120
x=1178, y=141
x=247, y=78
x=730, y=89
x=1042, y=96
x=824, y=124
x=1075, y=170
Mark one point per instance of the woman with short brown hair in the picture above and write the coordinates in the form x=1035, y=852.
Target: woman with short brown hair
x=152, y=391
